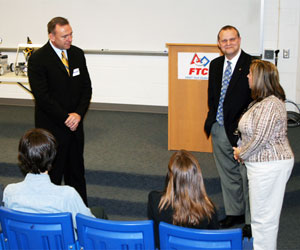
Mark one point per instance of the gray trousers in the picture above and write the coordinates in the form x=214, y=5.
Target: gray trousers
x=233, y=175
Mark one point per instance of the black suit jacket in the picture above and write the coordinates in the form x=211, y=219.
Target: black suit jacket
x=56, y=93
x=237, y=98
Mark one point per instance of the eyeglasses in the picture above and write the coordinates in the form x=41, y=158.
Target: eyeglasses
x=230, y=40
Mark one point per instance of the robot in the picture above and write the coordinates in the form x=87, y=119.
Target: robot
x=20, y=68
x=4, y=67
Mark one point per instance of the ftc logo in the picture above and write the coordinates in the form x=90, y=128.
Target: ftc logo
x=199, y=64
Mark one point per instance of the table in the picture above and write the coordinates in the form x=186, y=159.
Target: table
x=12, y=77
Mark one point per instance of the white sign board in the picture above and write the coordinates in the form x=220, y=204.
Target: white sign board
x=194, y=66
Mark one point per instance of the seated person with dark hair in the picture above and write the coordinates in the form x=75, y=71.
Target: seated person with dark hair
x=36, y=193
x=184, y=201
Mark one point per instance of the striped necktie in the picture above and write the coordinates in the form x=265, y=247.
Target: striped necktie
x=65, y=61
x=225, y=84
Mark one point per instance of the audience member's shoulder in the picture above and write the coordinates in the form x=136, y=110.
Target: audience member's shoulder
x=155, y=193
x=65, y=190
x=13, y=187
x=155, y=196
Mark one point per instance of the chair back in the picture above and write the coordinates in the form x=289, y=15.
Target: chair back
x=36, y=231
x=101, y=234
x=176, y=237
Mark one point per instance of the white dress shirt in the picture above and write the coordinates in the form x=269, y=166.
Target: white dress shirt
x=37, y=194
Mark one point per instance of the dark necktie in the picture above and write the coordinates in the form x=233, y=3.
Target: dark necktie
x=225, y=84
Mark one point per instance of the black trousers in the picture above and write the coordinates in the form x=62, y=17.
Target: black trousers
x=69, y=162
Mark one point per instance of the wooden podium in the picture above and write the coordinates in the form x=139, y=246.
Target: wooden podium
x=188, y=105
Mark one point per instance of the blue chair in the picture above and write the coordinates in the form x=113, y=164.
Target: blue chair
x=176, y=237
x=1, y=241
x=36, y=231
x=101, y=234
x=247, y=243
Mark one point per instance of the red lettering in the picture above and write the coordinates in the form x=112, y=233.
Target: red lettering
x=191, y=71
x=205, y=71
x=198, y=71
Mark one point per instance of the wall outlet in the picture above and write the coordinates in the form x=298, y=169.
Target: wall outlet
x=269, y=54
x=286, y=53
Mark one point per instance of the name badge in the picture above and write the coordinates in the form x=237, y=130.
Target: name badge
x=76, y=72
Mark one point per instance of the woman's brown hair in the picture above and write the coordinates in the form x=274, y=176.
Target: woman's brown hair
x=185, y=191
x=265, y=80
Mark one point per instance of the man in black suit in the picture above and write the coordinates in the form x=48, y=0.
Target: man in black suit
x=62, y=92
x=226, y=104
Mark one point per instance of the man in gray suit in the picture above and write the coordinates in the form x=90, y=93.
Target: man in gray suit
x=228, y=96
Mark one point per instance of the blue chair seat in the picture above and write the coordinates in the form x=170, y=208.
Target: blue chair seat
x=101, y=234
x=36, y=231
x=181, y=238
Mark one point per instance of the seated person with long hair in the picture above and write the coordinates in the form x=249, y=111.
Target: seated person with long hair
x=184, y=202
x=36, y=193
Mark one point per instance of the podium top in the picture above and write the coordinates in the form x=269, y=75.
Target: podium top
x=191, y=44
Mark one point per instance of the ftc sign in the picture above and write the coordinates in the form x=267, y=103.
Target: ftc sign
x=194, y=66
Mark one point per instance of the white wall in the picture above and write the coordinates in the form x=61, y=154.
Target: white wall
x=141, y=80
x=141, y=25
x=125, y=79
x=281, y=31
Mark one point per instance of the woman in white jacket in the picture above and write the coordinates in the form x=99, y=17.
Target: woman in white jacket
x=265, y=150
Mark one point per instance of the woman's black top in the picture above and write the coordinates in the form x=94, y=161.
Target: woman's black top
x=166, y=215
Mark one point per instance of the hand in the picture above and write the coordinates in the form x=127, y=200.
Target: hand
x=73, y=121
x=236, y=154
